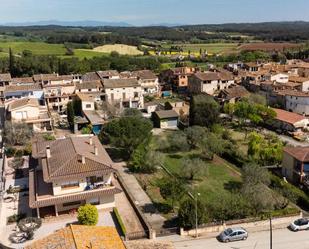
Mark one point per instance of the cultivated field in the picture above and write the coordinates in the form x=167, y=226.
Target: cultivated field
x=43, y=48
x=211, y=48
x=268, y=47
x=120, y=48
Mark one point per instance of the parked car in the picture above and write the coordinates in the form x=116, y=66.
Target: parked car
x=233, y=234
x=300, y=224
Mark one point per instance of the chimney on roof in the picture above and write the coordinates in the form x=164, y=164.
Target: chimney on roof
x=90, y=141
x=83, y=160
x=96, y=151
x=48, y=154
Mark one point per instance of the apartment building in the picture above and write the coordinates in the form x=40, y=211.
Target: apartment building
x=69, y=173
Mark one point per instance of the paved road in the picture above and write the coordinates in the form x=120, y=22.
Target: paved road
x=282, y=239
x=287, y=139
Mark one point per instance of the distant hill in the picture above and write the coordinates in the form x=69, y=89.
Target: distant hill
x=86, y=23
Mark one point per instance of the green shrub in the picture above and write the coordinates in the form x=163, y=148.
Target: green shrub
x=49, y=137
x=10, y=151
x=15, y=218
x=88, y=215
x=120, y=222
x=291, y=192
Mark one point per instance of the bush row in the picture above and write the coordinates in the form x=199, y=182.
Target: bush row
x=120, y=222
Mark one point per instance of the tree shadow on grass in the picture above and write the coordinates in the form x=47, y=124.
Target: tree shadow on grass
x=232, y=186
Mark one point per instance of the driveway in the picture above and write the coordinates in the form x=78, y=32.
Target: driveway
x=141, y=198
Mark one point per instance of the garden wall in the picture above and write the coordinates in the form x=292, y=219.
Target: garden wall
x=250, y=225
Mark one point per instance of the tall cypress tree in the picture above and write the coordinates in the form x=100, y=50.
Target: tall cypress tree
x=12, y=62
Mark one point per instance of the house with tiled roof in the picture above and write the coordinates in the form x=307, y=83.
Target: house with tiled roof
x=69, y=173
x=289, y=121
x=295, y=165
x=148, y=81
x=80, y=237
x=29, y=111
x=210, y=82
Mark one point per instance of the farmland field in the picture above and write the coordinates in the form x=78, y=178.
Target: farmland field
x=37, y=48
x=211, y=48
x=120, y=48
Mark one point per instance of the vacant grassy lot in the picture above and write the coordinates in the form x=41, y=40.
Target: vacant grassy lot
x=120, y=48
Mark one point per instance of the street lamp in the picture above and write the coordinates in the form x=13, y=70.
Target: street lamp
x=196, y=225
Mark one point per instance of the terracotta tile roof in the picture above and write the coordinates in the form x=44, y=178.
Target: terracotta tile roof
x=288, y=117
x=107, y=74
x=16, y=88
x=167, y=114
x=5, y=77
x=119, y=83
x=144, y=74
x=41, y=77
x=294, y=93
x=88, y=96
x=80, y=237
x=300, y=153
x=22, y=80
x=297, y=79
x=16, y=104
x=234, y=92
x=66, y=158
x=91, y=76
x=211, y=76
x=89, y=85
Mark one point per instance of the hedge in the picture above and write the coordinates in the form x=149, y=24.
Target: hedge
x=302, y=199
x=120, y=222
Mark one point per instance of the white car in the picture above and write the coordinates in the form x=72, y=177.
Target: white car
x=300, y=224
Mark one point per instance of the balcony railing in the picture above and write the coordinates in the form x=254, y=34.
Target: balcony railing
x=98, y=185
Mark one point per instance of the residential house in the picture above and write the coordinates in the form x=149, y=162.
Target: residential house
x=295, y=164
x=252, y=67
x=69, y=173
x=177, y=78
x=22, y=81
x=5, y=80
x=279, y=78
x=232, y=94
x=90, y=86
x=24, y=90
x=148, y=81
x=165, y=119
x=296, y=101
x=29, y=111
x=91, y=76
x=78, y=237
x=210, y=82
x=109, y=74
x=289, y=121
x=128, y=93
x=304, y=82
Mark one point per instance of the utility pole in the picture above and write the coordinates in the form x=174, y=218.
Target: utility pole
x=196, y=221
x=271, y=233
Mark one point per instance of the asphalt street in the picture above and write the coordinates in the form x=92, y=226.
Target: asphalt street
x=282, y=239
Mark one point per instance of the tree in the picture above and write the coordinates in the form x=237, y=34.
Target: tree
x=16, y=133
x=12, y=62
x=212, y=144
x=267, y=150
x=194, y=134
x=204, y=110
x=191, y=168
x=172, y=189
x=131, y=112
x=187, y=212
x=177, y=141
x=70, y=114
x=127, y=132
x=88, y=215
x=255, y=182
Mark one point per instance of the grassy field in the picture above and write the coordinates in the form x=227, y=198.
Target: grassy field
x=120, y=48
x=42, y=48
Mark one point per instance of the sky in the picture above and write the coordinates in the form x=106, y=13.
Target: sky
x=148, y=12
